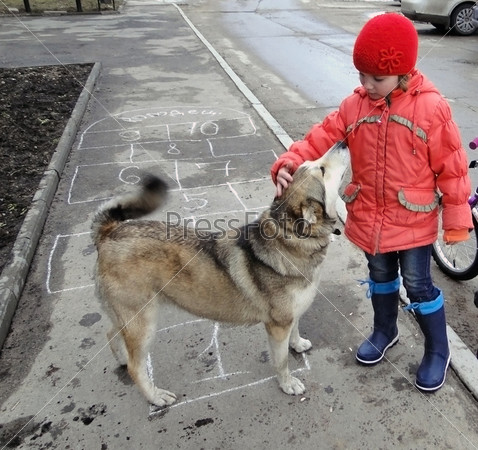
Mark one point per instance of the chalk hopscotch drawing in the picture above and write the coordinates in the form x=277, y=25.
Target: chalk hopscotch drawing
x=63, y=258
x=89, y=180
x=221, y=374
x=192, y=147
x=171, y=126
x=217, y=165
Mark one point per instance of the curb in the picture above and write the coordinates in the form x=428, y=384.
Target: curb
x=463, y=362
x=14, y=274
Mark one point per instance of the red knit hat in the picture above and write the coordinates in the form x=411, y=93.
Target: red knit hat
x=387, y=45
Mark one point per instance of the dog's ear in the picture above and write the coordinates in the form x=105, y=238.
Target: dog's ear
x=309, y=213
x=312, y=211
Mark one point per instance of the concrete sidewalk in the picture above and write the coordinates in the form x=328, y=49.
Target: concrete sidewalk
x=163, y=100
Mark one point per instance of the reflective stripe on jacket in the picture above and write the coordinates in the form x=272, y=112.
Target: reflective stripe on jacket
x=403, y=154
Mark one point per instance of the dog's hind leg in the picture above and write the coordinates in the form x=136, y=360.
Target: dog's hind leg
x=137, y=335
x=298, y=343
x=279, y=344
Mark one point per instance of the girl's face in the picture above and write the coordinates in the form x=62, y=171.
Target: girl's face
x=378, y=86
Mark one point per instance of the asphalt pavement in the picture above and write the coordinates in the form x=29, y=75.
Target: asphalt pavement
x=160, y=98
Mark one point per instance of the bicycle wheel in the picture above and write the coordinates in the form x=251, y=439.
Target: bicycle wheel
x=458, y=261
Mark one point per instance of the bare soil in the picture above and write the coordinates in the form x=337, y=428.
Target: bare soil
x=35, y=105
x=9, y=7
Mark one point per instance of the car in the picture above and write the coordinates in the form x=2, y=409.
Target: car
x=445, y=15
x=474, y=15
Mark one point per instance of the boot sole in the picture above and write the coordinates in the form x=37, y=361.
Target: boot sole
x=429, y=390
x=371, y=363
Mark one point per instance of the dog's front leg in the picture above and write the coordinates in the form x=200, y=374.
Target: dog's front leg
x=298, y=343
x=279, y=344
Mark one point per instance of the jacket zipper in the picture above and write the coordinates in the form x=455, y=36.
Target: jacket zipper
x=380, y=192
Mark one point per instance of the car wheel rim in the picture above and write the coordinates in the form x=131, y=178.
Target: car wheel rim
x=463, y=21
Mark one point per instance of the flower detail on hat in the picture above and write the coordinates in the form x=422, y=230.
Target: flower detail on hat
x=389, y=59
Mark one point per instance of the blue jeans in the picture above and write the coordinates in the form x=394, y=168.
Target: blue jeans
x=414, y=267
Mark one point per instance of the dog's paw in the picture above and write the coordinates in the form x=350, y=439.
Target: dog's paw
x=301, y=345
x=162, y=397
x=293, y=386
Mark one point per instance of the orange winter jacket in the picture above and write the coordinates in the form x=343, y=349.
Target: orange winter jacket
x=403, y=152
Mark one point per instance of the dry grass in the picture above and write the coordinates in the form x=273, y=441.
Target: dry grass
x=70, y=6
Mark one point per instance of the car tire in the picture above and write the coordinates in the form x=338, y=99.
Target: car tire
x=460, y=20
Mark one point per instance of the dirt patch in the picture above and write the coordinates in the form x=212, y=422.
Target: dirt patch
x=35, y=105
x=9, y=7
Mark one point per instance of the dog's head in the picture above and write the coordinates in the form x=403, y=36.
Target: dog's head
x=308, y=204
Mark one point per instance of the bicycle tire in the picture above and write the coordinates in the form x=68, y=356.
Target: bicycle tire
x=458, y=261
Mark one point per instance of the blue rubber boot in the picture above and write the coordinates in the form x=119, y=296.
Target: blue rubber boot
x=431, y=317
x=385, y=298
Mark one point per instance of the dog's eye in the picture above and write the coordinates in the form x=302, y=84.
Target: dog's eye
x=322, y=169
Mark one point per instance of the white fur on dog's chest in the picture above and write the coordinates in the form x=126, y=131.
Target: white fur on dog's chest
x=303, y=298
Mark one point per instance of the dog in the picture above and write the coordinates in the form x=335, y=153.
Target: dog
x=265, y=271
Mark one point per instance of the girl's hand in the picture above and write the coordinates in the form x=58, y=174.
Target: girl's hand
x=284, y=178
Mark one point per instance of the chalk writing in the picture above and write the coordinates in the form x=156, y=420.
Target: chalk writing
x=129, y=178
x=225, y=169
x=173, y=149
x=130, y=135
x=169, y=113
x=196, y=201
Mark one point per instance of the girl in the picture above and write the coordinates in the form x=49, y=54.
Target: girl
x=405, y=149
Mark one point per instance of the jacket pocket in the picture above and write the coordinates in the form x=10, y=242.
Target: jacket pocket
x=418, y=200
x=350, y=192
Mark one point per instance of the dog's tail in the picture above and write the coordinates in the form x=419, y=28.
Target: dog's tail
x=130, y=206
